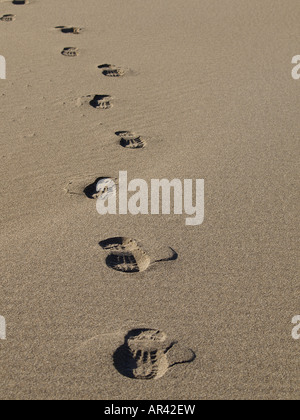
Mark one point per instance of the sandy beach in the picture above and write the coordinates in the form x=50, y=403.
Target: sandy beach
x=207, y=87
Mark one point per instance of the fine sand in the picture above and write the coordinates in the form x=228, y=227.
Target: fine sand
x=208, y=84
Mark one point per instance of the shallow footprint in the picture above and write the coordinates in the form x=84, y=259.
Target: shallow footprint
x=110, y=70
x=70, y=52
x=127, y=256
x=144, y=355
x=116, y=72
x=8, y=18
x=130, y=140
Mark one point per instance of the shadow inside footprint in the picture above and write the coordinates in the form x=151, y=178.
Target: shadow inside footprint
x=121, y=133
x=134, y=359
x=101, y=102
x=124, y=365
x=70, y=30
x=105, y=66
x=127, y=256
x=145, y=355
x=131, y=140
x=17, y=2
x=137, y=143
x=70, y=52
x=74, y=31
x=114, y=72
x=91, y=190
x=8, y=18
x=111, y=70
x=113, y=243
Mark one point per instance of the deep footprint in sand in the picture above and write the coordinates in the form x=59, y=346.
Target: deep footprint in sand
x=8, y=18
x=102, y=102
x=127, y=256
x=70, y=52
x=130, y=140
x=145, y=355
